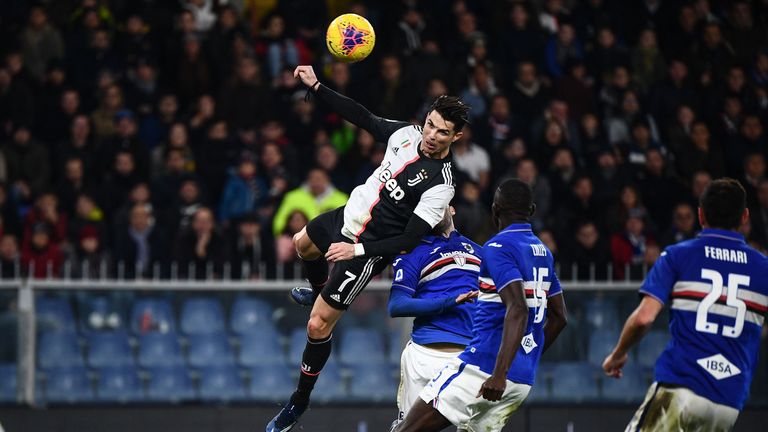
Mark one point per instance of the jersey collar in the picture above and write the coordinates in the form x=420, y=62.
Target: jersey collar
x=721, y=233
x=438, y=238
x=517, y=227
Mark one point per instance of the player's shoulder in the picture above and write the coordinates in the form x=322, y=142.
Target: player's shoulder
x=408, y=132
x=468, y=245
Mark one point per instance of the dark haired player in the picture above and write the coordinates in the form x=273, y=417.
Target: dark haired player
x=520, y=312
x=718, y=295
x=387, y=215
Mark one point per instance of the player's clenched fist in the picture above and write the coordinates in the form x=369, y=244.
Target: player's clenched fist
x=493, y=388
x=306, y=74
x=612, y=365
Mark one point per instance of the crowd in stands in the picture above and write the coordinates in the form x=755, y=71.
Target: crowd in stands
x=140, y=133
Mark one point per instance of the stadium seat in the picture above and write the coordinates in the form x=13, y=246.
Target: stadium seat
x=210, y=350
x=250, y=315
x=330, y=385
x=8, y=382
x=170, y=384
x=202, y=315
x=630, y=388
x=68, y=385
x=58, y=350
x=574, y=382
x=372, y=383
x=119, y=384
x=221, y=383
x=650, y=348
x=272, y=383
x=261, y=349
x=362, y=346
x=569, y=345
x=54, y=314
x=601, y=342
x=152, y=315
x=602, y=314
x=99, y=313
x=159, y=349
x=109, y=349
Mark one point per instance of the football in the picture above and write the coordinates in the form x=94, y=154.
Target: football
x=350, y=38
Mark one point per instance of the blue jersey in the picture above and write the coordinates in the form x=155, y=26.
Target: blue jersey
x=514, y=254
x=440, y=268
x=717, y=289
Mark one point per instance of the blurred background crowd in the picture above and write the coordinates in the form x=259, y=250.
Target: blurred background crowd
x=136, y=134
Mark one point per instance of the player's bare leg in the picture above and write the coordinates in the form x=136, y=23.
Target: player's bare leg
x=423, y=418
x=316, y=265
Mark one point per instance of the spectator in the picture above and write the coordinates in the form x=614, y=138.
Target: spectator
x=41, y=43
x=16, y=102
x=103, y=118
x=284, y=248
x=177, y=142
x=10, y=264
x=647, y=61
x=683, y=226
x=580, y=204
x=472, y=218
x=27, y=163
x=244, y=192
x=629, y=246
x=118, y=183
x=41, y=258
x=87, y=214
x=201, y=251
x=390, y=95
x=472, y=160
x=126, y=140
x=679, y=131
x=620, y=125
x=542, y=192
x=252, y=248
x=561, y=48
x=754, y=173
x=72, y=185
x=408, y=36
x=245, y=101
x=759, y=215
x=45, y=211
x=659, y=188
x=521, y=41
x=155, y=126
x=528, y=95
x=193, y=75
x=575, y=89
x=701, y=154
x=141, y=247
x=587, y=257
x=315, y=196
x=89, y=260
x=276, y=47
x=607, y=53
x=500, y=126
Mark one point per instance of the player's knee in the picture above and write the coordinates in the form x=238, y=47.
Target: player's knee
x=318, y=328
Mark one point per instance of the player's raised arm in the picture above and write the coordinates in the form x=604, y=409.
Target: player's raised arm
x=635, y=328
x=379, y=127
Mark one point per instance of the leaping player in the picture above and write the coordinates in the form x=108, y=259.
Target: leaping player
x=398, y=204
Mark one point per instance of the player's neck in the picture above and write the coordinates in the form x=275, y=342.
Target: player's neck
x=509, y=220
x=436, y=155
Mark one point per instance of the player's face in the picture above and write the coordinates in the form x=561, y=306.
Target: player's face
x=438, y=135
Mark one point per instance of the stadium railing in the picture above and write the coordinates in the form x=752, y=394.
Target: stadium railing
x=597, y=309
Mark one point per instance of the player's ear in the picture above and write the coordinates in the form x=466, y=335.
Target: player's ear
x=533, y=209
x=457, y=136
x=702, y=219
x=745, y=216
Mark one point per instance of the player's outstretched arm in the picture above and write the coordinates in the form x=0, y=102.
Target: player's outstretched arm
x=379, y=127
x=515, y=319
x=403, y=304
x=635, y=328
x=557, y=319
x=403, y=243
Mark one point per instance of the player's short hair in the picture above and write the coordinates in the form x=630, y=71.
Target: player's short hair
x=723, y=202
x=452, y=109
x=514, y=197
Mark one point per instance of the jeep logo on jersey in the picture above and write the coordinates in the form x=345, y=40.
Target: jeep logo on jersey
x=385, y=176
x=718, y=366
